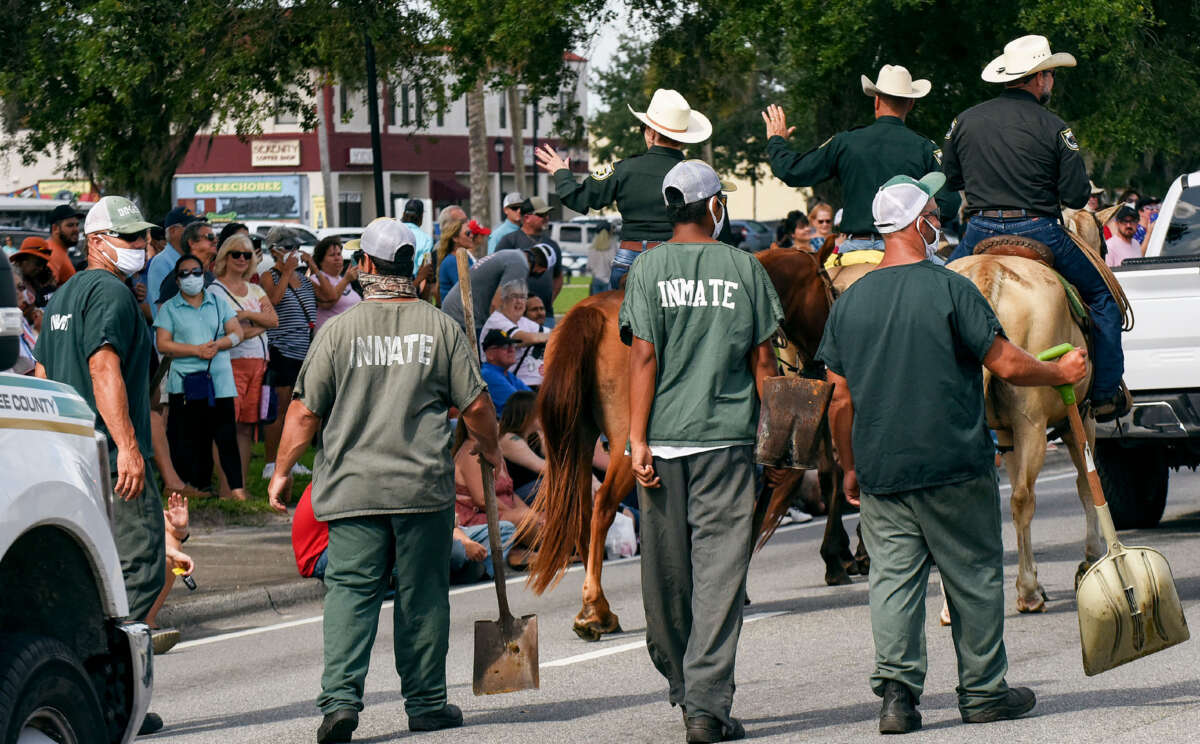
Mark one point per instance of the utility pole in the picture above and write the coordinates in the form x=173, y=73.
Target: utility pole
x=535, y=144
x=373, y=111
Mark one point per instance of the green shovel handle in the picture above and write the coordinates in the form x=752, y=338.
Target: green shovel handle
x=1067, y=392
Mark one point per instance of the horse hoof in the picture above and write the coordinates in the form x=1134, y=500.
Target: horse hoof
x=852, y=568
x=944, y=617
x=1030, y=607
x=838, y=579
x=864, y=566
x=587, y=633
x=1080, y=571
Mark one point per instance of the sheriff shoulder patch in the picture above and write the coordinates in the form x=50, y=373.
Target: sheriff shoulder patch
x=950, y=131
x=603, y=172
x=937, y=155
x=1068, y=138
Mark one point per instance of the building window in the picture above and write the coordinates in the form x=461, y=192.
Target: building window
x=390, y=109
x=441, y=118
x=350, y=208
x=419, y=104
x=503, y=109
x=405, y=111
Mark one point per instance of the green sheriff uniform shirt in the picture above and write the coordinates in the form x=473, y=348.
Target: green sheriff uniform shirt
x=93, y=309
x=382, y=377
x=635, y=184
x=862, y=159
x=910, y=341
x=704, y=306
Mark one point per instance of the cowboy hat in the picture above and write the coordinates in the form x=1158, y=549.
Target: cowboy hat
x=1025, y=56
x=671, y=116
x=895, y=80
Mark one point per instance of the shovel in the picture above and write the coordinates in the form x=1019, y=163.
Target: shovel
x=1128, y=606
x=506, y=651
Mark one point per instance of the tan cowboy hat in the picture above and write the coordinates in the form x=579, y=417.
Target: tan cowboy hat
x=895, y=80
x=1025, y=56
x=671, y=116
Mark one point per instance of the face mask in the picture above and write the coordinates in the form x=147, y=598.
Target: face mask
x=191, y=285
x=717, y=225
x=129, y=260
x=931, y=246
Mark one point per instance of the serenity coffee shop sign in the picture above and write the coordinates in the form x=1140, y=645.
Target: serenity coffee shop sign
x=274, y=152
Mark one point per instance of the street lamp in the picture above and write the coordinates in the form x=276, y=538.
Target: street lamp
x=498, y=146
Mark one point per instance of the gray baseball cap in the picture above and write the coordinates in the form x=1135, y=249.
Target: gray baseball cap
x=385, y=237
x=535, y=205
x=115, y=213
x=513, y=198
x=695, y=180
x=282, y=236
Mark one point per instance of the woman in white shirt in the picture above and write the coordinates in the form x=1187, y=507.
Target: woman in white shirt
x=510, y=318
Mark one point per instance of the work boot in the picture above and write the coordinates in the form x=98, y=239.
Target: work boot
x=163, y=640
x=1115, y=407
x=448, y=717
x=1018, y=702
x=152, y=723
x=898, y=715
x=704, y=729
x=337, y=726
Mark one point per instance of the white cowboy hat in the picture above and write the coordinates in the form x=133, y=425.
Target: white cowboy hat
x=1025, y=56
x=895, y=80
x=671, y=116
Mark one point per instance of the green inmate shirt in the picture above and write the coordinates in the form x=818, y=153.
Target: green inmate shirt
x=92, y=309
x=704, y=306
x=382, y=376
x=910, y=341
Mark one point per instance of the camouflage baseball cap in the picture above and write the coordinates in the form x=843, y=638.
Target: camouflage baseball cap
x=115, y=213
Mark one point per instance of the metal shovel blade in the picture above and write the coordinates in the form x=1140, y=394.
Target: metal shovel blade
x=1128, y=606
x=790, y=420
x=506, y=655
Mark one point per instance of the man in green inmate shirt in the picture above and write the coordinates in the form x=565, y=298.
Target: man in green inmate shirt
x=378, y=384
x=699, y=315
x=904, y=347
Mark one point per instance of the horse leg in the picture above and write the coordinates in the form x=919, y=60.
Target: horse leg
x=861, y=557
x=1024, y=464
x=596, y=618
x=1093, y=546
x=835, y=544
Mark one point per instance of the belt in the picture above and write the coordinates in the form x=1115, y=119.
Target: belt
x=637, y=246
x=865, y=236
x=1009, y=214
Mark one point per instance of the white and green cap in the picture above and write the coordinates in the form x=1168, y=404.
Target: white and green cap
x=901, y=200
x=695, y=180
x=115, y=213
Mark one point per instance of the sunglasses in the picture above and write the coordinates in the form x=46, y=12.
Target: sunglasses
x=127, y=237
x=823, y=222
x=190, y=272
x=208, y=236
x=247, y=255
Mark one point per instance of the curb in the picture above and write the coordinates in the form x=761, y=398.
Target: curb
x=240, y=601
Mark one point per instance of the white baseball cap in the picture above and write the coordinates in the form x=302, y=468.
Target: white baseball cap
x=513, y=197
x=695, y=180
x=385, y=237
x=901, y=200
x=115, y=213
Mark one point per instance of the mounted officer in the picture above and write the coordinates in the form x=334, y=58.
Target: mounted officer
x=1017, y=162
x=863, y=158
x=635, y=183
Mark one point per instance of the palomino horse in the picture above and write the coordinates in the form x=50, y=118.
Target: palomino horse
x=1032, y=306
x=586, y=393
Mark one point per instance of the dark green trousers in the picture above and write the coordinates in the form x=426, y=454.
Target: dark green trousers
x=140, y=534
x=362, y=553
x=958, y=527
x=697, y=536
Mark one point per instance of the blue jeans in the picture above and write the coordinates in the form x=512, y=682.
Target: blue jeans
x=856, y=244
x=1108, y=359
x=622, y=261
x=479, y=533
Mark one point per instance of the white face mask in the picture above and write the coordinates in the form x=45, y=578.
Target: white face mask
x=717, y=224
x=931, y=246
x=191, y=285
x=129, y=260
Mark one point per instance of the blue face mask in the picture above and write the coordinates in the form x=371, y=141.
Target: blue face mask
x=191, y=285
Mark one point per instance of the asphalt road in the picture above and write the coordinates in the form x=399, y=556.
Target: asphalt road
x=803, y=662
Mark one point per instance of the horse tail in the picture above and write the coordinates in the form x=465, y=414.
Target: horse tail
x=566, y=409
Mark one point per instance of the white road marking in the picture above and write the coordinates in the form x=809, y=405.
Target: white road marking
x=611, y=650
x=819, y=522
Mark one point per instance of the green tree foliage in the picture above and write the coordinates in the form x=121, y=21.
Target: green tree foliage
x=1131, y=100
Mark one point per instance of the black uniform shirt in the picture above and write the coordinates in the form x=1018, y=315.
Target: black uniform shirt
x=1012, y=153
x=635, y=184
x=863, y=159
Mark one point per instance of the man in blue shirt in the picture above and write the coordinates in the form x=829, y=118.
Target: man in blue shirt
x=511, y=221
x=164, y=263
x=500, y=354
x=414, y=215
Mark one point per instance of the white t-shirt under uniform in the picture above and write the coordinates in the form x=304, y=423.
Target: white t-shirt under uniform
x=528, y=368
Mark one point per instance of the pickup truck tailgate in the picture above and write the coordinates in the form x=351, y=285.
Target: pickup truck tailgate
x=1162, y=352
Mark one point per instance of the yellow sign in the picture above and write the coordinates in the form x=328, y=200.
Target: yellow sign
x=238, y=187
x=318, y=212
x=274, y=152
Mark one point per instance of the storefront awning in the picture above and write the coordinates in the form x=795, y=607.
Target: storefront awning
x=448, y=190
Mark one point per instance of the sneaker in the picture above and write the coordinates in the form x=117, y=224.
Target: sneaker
x=795, y=516
x=163, y=639
x=1113, y=408
x=1018, y=702
x=152, y=723
x=898, y=714
x=337, y=726
x=704, y=729
x=268, y=471
x=299, y=469
x=448, y=717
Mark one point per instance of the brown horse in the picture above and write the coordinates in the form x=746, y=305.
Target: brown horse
x=586, y=393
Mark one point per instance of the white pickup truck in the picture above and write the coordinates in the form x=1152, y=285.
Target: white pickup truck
x=72, y=668
x=1134, y=454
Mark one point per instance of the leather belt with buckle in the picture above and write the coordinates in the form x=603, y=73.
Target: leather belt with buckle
x=637, y=246
x=1006, y=214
